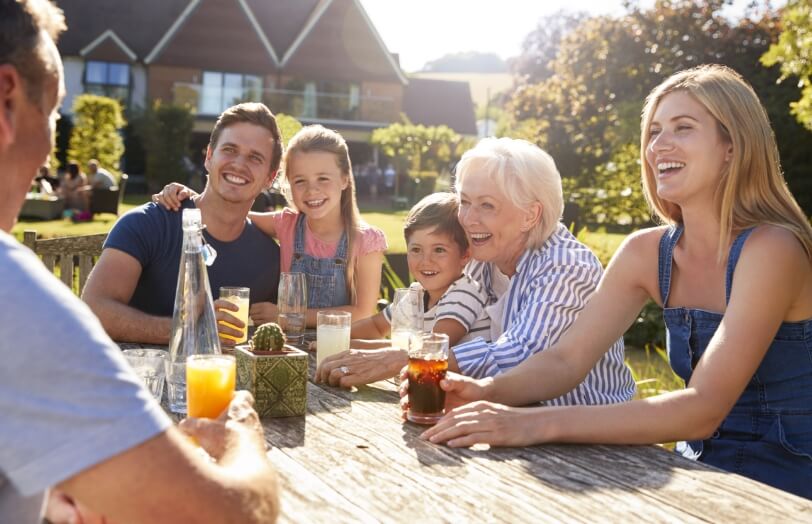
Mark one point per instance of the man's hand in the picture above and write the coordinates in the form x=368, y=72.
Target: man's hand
x=262, y=312
x=217, y=436
x=222, y=308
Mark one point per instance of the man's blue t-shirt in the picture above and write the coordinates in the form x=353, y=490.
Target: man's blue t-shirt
x=154, y=237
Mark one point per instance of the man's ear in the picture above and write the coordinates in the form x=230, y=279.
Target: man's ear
x=10, y=92
x=207, y=160
x=271, y=179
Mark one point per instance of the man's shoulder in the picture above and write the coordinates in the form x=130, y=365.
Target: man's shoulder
x=144, y=226
x=148, y=216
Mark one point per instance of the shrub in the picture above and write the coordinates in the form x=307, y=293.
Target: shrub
x=165, y=130
x=95, y=134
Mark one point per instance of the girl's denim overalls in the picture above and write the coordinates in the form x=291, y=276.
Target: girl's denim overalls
x=326, y=277
x=767, y=436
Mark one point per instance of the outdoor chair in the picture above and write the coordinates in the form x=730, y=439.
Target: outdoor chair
x=70, y=258
x=108, y=200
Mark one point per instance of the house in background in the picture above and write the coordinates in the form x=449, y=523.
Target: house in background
x=321, y=61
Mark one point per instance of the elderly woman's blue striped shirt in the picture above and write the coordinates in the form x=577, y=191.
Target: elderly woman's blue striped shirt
x=551, y=285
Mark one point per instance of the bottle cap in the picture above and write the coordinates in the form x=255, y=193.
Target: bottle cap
x=192, y=218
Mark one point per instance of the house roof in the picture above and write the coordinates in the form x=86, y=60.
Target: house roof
x=302, y=36
x=139, y=25
x=440, y=102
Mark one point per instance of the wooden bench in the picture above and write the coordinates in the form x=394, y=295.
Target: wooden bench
x=73, y=256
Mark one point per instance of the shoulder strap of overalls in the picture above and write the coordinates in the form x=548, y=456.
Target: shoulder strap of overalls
x=299, y=235
x=667, y=244
x=341, y=251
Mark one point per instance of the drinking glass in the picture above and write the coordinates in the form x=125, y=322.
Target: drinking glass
x=209, y=384
x=407, y=317
x=428, y=364
x=240, y=297
x=150, y=366
x=292, y=305
x=332, y=333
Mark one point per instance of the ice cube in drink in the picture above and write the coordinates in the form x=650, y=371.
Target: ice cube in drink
x=293, y=324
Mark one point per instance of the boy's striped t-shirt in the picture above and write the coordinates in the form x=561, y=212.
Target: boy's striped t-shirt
x=463, y=301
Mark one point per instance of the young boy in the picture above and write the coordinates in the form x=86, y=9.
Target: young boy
x=437, y=252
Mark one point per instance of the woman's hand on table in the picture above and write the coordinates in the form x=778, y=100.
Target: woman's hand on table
x=172, y=195
x=262, y=312
x=485, y=422
x=222, y=310
x=459, y=390
x=360, y=366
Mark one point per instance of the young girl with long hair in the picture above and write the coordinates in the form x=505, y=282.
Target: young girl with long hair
x=321, y=234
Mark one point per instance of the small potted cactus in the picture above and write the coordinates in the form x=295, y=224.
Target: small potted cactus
x=275, y=373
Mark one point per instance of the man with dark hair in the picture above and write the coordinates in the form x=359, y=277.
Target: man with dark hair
x=75, y=416
x=132, y=287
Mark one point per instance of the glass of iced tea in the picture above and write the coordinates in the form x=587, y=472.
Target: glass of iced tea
x=428, y=364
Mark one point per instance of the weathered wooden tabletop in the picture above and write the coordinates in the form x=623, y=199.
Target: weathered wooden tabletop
x=353, y=459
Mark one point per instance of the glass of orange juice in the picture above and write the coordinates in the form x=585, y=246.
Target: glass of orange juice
x=209, y=384
x=240, y=297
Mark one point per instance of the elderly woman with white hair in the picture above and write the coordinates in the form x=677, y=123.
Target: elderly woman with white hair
x=536, y=275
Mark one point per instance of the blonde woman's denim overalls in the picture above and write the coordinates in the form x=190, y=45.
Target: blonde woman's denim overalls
x=326, y=277
x=767, y=436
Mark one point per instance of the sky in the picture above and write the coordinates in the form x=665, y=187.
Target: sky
x=424, y=30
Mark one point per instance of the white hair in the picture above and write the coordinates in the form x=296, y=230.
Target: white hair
x=525, y=174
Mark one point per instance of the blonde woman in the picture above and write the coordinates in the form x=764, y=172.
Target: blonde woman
x=733, y=273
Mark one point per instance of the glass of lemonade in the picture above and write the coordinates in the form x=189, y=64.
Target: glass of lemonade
x=240, y=297
x=332, y=333
x=210, y=383
x=292, y=304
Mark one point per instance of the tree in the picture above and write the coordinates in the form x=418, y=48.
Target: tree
x=793, y=52
x=165, y=130
x=588, y=109
x=288, y=126
x=97, y=121
x=540, y=47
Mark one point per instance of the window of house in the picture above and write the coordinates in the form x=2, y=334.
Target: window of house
x=326, y=99
x=222, y=90
x=108, y=79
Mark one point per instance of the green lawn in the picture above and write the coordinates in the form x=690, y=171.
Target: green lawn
x=391, y=222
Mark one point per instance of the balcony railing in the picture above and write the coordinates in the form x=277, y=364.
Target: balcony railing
x=303, y=105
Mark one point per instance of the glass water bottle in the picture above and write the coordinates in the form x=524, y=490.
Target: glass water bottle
x=194, y=326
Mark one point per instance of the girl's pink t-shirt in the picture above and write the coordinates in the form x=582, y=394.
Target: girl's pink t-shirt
x=369, y=240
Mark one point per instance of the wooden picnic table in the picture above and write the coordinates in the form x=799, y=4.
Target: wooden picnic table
x=353, y=459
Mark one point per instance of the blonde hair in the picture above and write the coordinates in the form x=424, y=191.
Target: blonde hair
x=525, y=174
x=316, y=138
x=752, y=190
